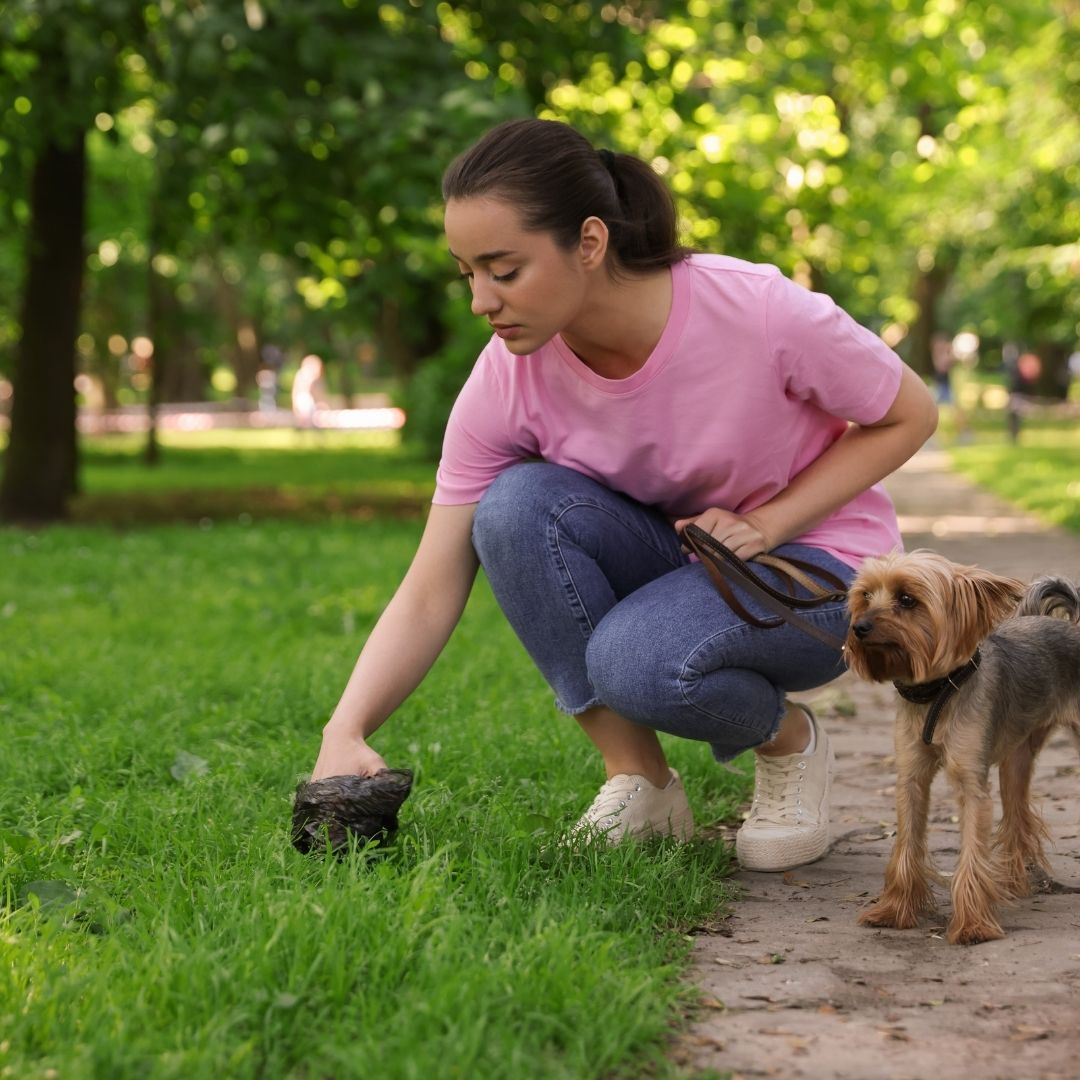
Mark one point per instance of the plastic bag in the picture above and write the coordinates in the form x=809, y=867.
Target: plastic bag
x=327, y=811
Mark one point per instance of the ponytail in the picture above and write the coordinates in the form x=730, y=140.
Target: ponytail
x=556, y=180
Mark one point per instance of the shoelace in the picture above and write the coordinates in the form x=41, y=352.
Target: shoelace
x=778, y=791
x=611, y=800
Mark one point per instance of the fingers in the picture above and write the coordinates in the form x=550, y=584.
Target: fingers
x=740, y=533
x=347, y=757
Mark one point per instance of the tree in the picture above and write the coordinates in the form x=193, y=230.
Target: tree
x=58, y=72
x=270, y=171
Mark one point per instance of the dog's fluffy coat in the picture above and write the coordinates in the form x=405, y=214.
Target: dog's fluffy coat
x=916, y=618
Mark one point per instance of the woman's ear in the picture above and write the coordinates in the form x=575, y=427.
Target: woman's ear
x=594, y=243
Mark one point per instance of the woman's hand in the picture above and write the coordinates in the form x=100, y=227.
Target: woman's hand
x=742, y=533
x=345, y=755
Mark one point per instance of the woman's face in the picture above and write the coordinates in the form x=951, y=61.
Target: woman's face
x=525, y=285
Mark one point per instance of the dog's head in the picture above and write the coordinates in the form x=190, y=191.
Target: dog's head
x=918, y=616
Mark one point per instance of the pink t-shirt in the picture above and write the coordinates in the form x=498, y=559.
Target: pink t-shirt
x=751, y=380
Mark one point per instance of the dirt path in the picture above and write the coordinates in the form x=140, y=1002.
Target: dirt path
x=795, y=989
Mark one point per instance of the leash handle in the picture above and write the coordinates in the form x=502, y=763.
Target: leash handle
x=725, y=568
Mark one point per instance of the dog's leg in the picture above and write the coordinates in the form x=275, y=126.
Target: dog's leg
x=907, y=892
x=975, y=893
x=1021, y=831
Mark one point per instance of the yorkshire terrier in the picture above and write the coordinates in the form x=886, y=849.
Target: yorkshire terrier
x=985, y=668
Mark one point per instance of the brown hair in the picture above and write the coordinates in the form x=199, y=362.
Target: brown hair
x=555, y=177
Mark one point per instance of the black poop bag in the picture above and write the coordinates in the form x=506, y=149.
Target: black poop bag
x=326, y=811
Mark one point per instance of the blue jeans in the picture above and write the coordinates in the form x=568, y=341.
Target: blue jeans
x=614, y=613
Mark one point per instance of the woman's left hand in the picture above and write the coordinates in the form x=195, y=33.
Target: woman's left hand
x=742, y=533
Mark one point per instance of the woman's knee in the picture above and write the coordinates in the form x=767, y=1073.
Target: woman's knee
x=521, y=490
x=508, y=506
x=645, y=672
x=520, y=504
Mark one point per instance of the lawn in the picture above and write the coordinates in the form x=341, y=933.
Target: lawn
x=1040, y=472
x=221, y=475
x=163, y=691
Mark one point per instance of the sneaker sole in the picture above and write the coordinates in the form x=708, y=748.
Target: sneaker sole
x=772, y=856
x=767, y=855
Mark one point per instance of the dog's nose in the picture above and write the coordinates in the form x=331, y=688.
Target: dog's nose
x=862, y=628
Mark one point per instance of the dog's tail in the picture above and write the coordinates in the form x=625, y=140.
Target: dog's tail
x=1054, y=596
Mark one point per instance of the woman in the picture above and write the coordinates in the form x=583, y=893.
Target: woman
x=631, y=387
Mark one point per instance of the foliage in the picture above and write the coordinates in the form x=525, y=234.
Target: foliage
x=272, y=169
x=62, y=63
x=431, y=392
x=156, y=922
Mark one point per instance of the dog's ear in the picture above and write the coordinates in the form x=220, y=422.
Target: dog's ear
x=983, y=599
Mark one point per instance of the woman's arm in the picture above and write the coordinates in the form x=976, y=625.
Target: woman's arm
x=861, y=457
x=404, y=643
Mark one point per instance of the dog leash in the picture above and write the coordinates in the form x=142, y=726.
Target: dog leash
x=725, y=568
x=939, y=691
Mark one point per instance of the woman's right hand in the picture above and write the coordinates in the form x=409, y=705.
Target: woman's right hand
x=345, y=755
x=404, y=643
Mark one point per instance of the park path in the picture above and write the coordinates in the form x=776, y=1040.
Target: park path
x=795, y=989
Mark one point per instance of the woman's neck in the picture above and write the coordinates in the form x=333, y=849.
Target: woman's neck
x=621, y=323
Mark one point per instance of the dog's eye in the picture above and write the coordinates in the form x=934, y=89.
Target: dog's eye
x=906, y=600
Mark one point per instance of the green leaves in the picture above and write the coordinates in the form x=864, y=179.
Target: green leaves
x=852, y=143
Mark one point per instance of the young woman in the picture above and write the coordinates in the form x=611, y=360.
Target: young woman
x=629, y=388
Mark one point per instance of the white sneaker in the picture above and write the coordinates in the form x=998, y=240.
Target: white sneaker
x=629, y=805
x=788, y=824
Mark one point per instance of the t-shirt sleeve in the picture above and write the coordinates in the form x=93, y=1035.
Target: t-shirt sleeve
x=476, y=444
x=825, y=357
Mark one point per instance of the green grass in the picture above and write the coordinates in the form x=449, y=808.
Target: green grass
x=279, y=457
x=1040, y=473
x=163, y=690
x=226, y=475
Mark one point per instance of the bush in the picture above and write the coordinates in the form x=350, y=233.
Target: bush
x=431, y=392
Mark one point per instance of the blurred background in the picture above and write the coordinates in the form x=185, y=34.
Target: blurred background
x=197, y=196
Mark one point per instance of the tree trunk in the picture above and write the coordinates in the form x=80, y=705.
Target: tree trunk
x=1053, y=381
x=157, y=297
x=392, y=342
x=406, y=346
x=159, y=360
x=928, y=290
x=41, y=464
x=246, y=341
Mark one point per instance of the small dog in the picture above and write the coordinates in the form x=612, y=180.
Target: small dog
x=986, y=668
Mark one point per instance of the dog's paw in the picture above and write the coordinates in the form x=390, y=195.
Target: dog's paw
x=889, y=914
x=974, y=933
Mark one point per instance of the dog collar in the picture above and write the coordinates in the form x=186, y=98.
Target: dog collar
x=938, y=691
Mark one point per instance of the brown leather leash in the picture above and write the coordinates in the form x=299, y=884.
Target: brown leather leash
x=725, y=568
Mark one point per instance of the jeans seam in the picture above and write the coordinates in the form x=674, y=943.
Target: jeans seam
x=726, y=632
x=573, y=502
